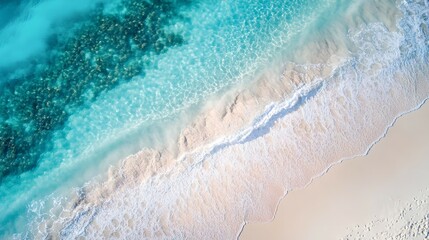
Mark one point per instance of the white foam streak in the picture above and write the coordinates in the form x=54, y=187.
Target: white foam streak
x=210, y=192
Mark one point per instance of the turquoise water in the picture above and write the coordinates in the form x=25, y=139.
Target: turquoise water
x=82, y=82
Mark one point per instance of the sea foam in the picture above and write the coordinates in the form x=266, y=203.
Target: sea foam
x=210, y=190
x=78, y=120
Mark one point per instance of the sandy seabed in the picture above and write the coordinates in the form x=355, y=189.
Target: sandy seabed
x=331, y=100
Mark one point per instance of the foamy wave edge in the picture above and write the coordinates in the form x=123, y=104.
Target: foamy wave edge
x=142, y=174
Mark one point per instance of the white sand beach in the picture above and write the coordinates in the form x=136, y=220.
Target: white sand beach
x=383, y=195
x=241, y=154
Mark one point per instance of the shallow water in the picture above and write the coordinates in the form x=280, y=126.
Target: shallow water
x=127, y=76
x=87, y=81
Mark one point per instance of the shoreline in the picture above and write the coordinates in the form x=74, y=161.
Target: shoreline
x=228, y=178
x=319, y=187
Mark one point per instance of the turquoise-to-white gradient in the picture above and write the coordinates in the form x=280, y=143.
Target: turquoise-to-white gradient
x=224, y=43
x=195, y=50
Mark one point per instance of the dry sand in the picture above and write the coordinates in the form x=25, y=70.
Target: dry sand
x=228, y=168
x=383, y=195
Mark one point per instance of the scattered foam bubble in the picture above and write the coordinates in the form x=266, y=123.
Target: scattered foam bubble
x=225, y=44
x=211, y=191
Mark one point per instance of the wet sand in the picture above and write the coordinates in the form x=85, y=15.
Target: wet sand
x=381, y=195
x=244, y=151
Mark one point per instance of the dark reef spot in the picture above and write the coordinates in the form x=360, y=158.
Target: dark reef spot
x=105, y=51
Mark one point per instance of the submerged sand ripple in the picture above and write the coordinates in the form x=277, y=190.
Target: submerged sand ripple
x=328, y=104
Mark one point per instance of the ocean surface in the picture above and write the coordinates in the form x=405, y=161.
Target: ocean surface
x=172, y=119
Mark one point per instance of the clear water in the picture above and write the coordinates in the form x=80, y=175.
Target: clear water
x=212, y=191
x=86, y=83
x=83, y=81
